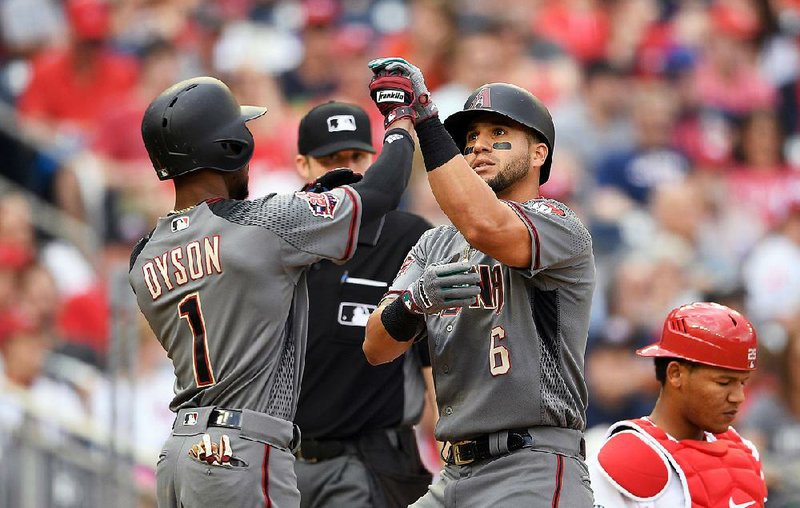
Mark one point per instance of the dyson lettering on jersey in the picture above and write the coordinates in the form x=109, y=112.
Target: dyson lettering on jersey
x=178, y=266
x=321, y=205
x=492, y=287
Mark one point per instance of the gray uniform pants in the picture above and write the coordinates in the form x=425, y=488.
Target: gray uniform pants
x=262, y=473
x=378, y=469
x=537, y=477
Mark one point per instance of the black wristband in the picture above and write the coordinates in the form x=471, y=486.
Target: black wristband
x=435, y=143
x=401, y=324
x=391, y=136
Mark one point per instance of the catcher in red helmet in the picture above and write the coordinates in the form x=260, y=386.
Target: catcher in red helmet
x=686, y=454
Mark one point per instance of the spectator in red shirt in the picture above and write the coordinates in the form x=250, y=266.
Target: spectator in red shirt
x=70, y=87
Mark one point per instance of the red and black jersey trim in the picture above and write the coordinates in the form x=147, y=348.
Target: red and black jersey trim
x=352, y=238
x=265, y=477
x=534, y=232
x=559, y=480
x=211, y=201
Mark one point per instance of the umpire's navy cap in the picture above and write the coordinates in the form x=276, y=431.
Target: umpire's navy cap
x=334, y=126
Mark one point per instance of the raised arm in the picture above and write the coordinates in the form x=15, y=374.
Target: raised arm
x=487, y=223
x=384, y=183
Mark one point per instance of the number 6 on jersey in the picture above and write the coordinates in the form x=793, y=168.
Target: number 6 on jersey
x=499, y=361
x=191, y=310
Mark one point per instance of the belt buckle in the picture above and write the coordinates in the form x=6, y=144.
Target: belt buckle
x=227, y=418
x=465, y=456
x=298, y=454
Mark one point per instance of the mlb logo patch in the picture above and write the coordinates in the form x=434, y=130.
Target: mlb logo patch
x=179, y=224
x=482, y=100
x=355, y=314
x=338, y=123
x=321, y=205
x=190, y=418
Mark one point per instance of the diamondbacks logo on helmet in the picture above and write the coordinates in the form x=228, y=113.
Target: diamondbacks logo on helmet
x=338, y=123
x=391, y=96
x=482, y=100
x=321, y=205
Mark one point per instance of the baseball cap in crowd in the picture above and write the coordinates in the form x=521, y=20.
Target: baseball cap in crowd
x=334, y=126
x=89, y=19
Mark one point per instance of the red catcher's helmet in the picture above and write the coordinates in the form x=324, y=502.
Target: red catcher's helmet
x=707, y=333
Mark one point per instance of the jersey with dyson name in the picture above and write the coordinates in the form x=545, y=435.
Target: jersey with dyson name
x=514, y=358
x=223, y=287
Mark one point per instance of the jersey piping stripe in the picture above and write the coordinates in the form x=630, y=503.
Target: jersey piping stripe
x=559, y=480
x=517, y=208
x=351, y=237
x=265, y=477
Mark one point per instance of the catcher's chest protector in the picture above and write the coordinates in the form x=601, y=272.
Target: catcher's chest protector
x=717, y=474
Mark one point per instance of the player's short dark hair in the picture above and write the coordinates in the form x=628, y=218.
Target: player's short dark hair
x=661, y=364
x=534, y=136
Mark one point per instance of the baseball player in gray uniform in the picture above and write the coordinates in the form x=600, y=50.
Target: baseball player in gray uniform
x=222, y=283
x=503, y=295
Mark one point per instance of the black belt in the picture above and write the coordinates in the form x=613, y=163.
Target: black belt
x=228, y=418
x=316, y=450
x=313, y=450
x=467, y=452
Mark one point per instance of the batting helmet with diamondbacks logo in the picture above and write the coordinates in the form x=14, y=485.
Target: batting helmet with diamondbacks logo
x=707, y=333
x=196, y=124
x=512, y=102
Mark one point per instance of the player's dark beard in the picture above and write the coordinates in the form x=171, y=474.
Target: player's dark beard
x=237, y=185
x=514, y=171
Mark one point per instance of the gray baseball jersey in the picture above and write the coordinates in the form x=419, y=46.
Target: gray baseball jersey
x=223, y=287
x=514, y=358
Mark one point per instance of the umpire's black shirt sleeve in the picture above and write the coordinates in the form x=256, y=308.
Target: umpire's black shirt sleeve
x=384, y=183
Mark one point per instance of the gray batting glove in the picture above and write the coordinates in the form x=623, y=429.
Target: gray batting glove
x=443, y=287
x=423, y=105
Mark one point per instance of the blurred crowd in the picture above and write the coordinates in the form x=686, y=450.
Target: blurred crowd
x=677, y=142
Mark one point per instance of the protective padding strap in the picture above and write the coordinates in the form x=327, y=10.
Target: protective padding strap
x=435, y=143
x=401, y=324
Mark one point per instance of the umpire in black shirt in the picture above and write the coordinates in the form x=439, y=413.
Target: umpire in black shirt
x=358, y=446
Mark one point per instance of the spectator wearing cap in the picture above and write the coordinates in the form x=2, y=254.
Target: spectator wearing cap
x=24, y=385
x=727, y=76
x=359, y=447
x=31, y=402
x=314, y=77
x=87, y=73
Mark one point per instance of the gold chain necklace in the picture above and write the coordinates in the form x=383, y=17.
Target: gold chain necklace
x=176, y=212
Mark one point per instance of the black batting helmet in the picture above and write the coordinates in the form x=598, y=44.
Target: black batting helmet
x=512, y=102
x=196, y=124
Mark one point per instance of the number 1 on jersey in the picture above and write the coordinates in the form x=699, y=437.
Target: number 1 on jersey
x=191, y=310
x=499, y=361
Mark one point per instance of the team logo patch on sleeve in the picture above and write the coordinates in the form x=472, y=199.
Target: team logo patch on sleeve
x=321, y=205
x=406, y=263
x=547, y=208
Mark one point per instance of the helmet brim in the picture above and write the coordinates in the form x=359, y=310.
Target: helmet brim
x=656, y=351
x=252, y=112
